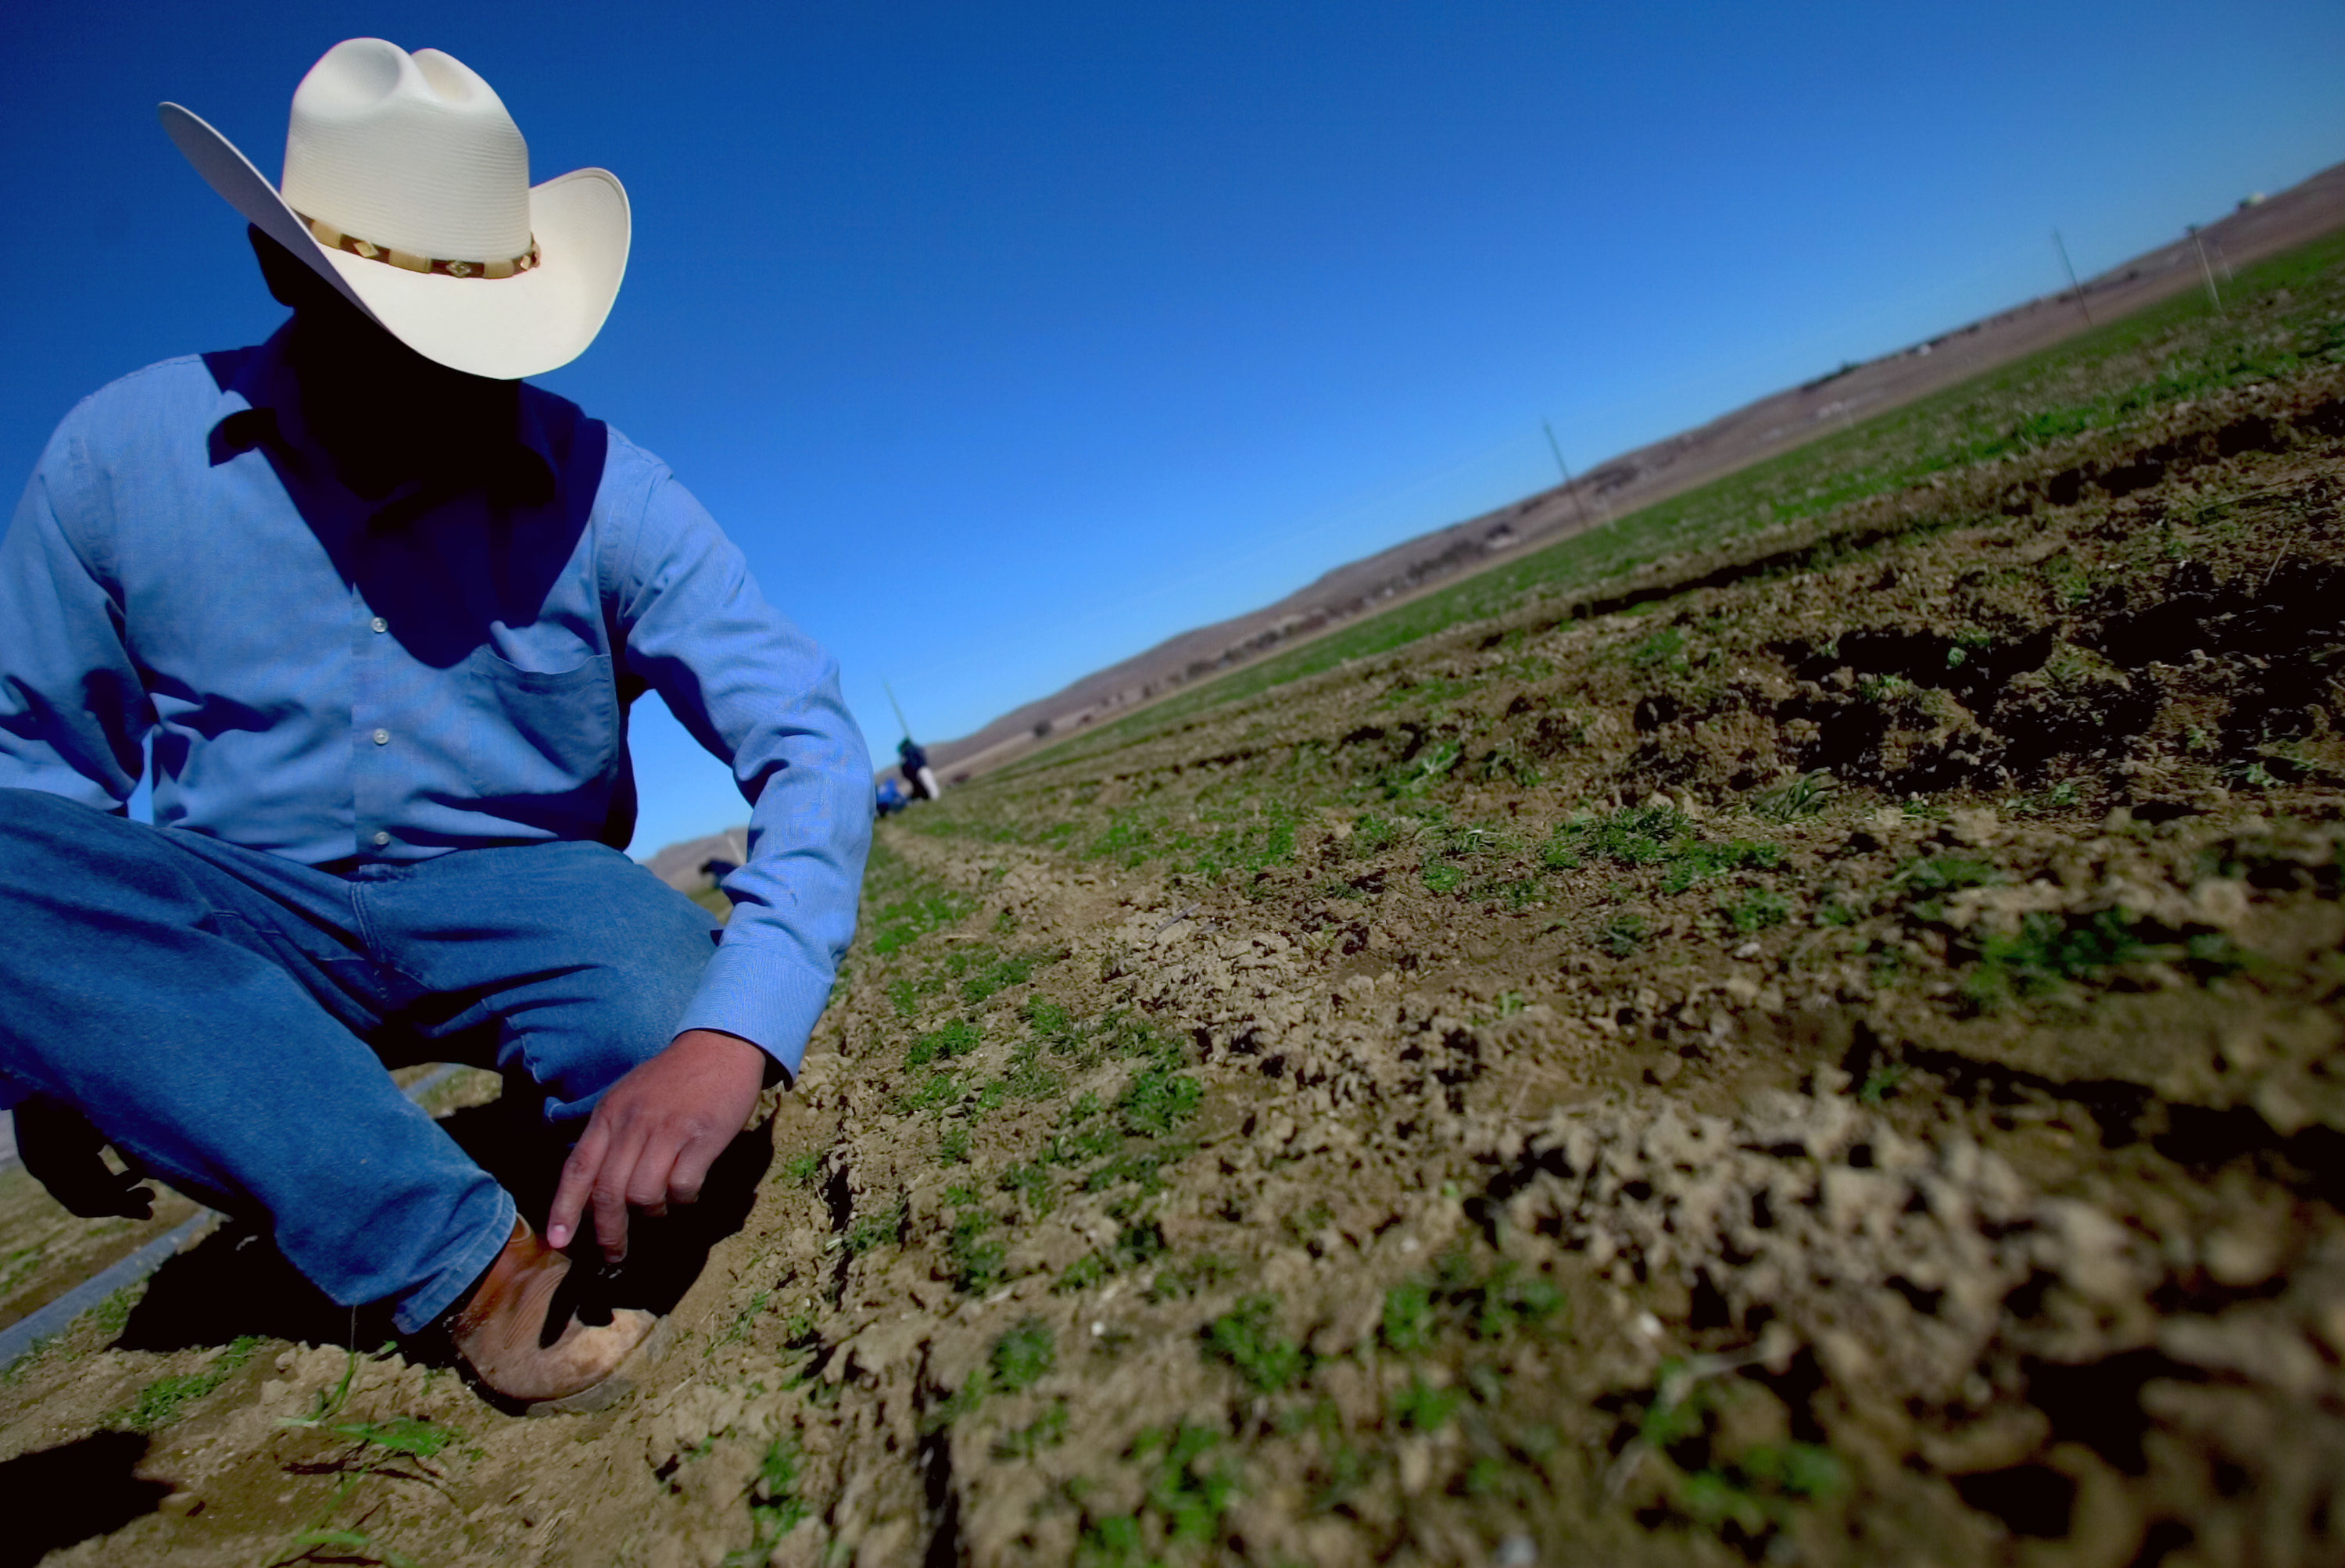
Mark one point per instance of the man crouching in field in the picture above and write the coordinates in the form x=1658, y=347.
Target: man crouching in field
x=380, y=609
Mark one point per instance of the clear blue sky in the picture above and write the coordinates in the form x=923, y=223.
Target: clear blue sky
x=1010, y=339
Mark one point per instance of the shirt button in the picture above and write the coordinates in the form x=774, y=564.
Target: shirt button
x=381, y=838
x=379, y=624
x=382, y=738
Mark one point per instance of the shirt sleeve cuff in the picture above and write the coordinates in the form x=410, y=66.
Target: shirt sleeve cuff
x=765, y=995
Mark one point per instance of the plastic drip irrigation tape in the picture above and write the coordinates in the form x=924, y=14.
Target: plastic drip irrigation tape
x=28, y=1332
x=26, y=1335
x=432, y=1080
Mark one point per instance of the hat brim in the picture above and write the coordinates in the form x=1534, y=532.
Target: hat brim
x=502, y=328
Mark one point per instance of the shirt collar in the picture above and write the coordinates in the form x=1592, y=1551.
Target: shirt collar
x=260, y=403
x=258, y=400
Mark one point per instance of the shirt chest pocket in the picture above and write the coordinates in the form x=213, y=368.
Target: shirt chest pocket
x=538, y=732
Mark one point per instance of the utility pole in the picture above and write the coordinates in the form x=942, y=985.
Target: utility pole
x=1578, y=502
x=2076, y=287
x=897, y=706
x=2206, y=270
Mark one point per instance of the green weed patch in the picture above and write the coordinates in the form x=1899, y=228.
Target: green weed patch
x=1157, y=1101
x=872, y=1231
x=1803, y=796
x=1701, y=862
x=1022, y=1356
x=958, y=1038
x=1421, y=772
x=933, y=1093
x=166, y=1399
x=1048, y=1430
x=1185, y=1502
x=401, y=1434
x=1246, y=1339
x=2047, y=954
x=1419, y=1407
x=350, y=1546
x=1636, y=836
x=1028, y=1079
x=1135, y=1245
x=999, y=975
x=1191, y=1276
x=1621, y=934
x=1759, y=1487
x=775, y=1506
x=1457, y=1299
x=900, y=907
x=1755, y=912
x=975, y=1254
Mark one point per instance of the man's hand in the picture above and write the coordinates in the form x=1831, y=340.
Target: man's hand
x=63, y=1151
x=655, y=1133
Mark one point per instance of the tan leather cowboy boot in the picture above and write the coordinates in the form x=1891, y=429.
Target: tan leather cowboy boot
x=500, y=1331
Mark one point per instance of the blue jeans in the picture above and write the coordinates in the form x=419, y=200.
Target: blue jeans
x=224, y=1016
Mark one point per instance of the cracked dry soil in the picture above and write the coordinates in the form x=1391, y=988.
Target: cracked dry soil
x=1824, y=1054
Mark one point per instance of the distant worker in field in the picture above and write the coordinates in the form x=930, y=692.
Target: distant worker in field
x=913, y=763
x=378, y=607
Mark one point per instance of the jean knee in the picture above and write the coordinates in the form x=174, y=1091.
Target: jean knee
x=624, y=1009
x=634, y=1024
x=40, y=834
x=61, y=861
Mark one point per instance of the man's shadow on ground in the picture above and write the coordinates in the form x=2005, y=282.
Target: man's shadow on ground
x=58, y=1496
x=236, y=1282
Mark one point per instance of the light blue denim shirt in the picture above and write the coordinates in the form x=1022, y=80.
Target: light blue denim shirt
x=338, y=680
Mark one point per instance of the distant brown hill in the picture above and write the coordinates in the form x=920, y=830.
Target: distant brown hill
x=1762, y=429
x=684, y=866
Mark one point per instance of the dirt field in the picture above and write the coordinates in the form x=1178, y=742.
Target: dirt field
x=1652, y=475
x=1815, y=1041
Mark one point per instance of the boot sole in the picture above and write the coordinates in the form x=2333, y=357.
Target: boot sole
x=620, y=1385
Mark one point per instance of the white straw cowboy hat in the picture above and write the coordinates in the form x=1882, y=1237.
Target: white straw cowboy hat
x=407, y=187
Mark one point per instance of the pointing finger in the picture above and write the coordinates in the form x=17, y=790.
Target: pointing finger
x=578, y=1173
x=611, y=1184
